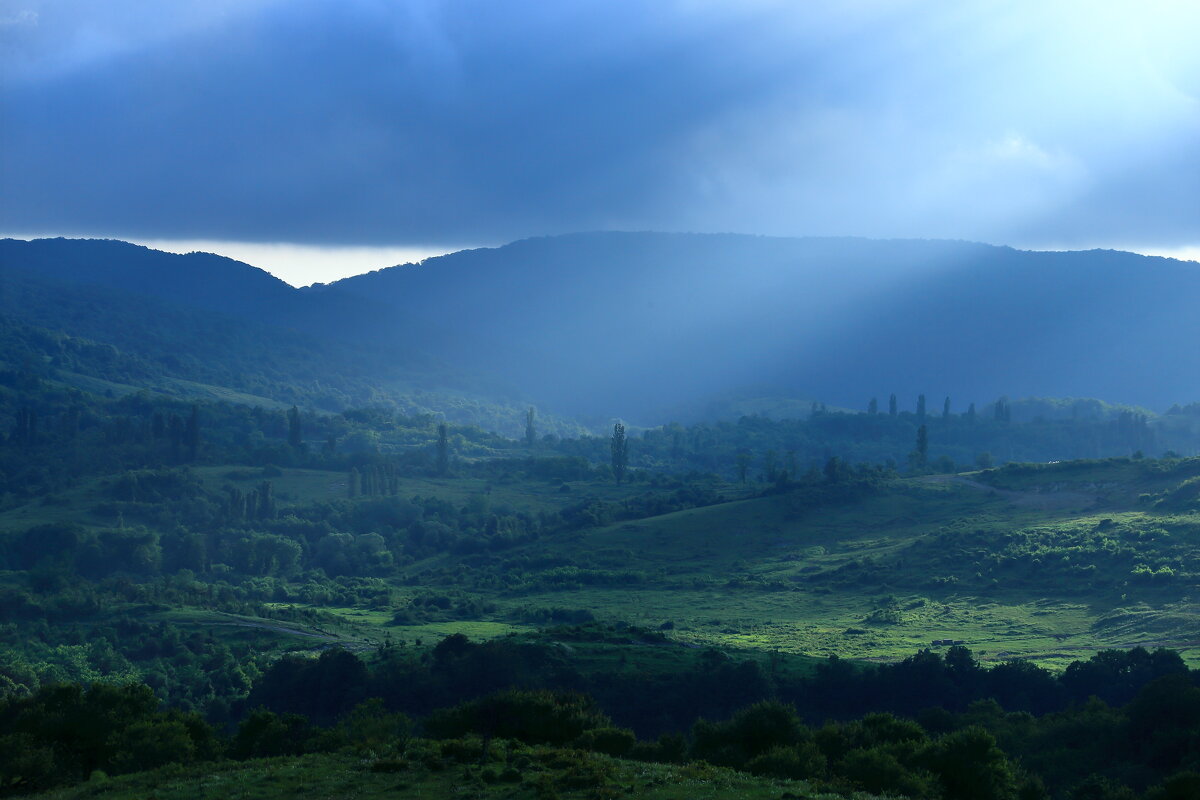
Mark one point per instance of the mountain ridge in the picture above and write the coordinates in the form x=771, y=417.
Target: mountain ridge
x=1040, y=291
x=646, y=325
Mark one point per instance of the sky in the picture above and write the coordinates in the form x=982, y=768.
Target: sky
x=326, y=137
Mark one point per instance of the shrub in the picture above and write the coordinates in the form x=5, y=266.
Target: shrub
x=879, y=771
x=534, y=717
x=750, y=733
x=799, y=762
x=610, y=741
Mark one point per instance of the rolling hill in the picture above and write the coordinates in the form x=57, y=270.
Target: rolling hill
x=651, y=327
x=646, y=325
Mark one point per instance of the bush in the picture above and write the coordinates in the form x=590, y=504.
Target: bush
x=610, y=741
x=751, y=732
x=971, y=766
x=370, y=727
x=879, y=771
x=534, y=717
x=800, y=762
x=1181, y=786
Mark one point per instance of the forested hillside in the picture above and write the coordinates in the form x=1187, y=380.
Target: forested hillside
x=599, y=400
x=648, y=326
x=612, y=325
x=151, y=320
x=220, y=558
x=245, y=539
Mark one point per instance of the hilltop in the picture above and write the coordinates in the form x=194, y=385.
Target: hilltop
x=646, y=325
x=266, y=528
x=651, y=327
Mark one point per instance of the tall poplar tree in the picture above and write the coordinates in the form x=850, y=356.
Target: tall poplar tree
x=530, y=431
x=295, y=433
x=191, y=433
x=443, y=450
x=620, y=452
x=743, y=464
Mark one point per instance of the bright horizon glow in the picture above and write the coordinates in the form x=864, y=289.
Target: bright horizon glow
x=304, y=264
x=301, y=264
x=1182, y=253
x=295, y=264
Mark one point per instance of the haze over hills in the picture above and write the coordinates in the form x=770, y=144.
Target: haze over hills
x=134, y=318
x=616, y=320
x=847, y=504
x=651, y=327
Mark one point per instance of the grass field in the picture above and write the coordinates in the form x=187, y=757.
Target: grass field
x=882, y=577
x=1038, y=562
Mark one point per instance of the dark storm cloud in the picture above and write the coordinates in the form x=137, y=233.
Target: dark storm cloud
x=392, y=122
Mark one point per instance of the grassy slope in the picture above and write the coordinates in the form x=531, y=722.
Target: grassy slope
x=174, y=387
x=303, y=486
x=549, y=773
x=359, y=628
x=882, y=577
x=873, y=579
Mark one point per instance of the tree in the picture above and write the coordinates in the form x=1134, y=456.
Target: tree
x=892, y=405
x=175, y=433
x=743, y=464
x=530, y=431
x=620, y=452
x=873, y=406
x=370, y=727
x=833, y=469
x=295, y=435
x=921, y=408
x=922, y=451
x=946, y=409
x=25, y=433
x=191, y=433
x=971, y=766
x=265, y=501
x=771, y=465
x=443, y=450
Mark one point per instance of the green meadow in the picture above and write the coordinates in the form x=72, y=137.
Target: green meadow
x=1047, y=572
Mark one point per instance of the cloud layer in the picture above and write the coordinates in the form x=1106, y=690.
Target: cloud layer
x=422, y=122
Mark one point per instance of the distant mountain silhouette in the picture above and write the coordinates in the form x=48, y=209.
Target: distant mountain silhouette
x=647, y=326
x=144, y=318
x=203, y=280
